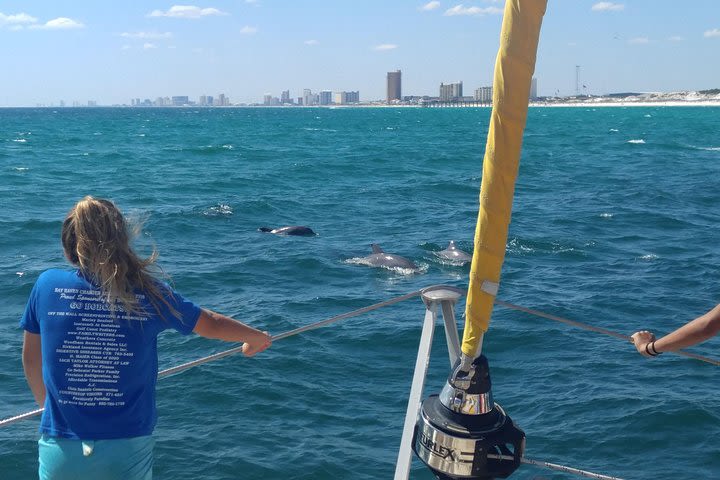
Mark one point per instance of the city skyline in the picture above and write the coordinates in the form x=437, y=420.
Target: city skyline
x=247, y=48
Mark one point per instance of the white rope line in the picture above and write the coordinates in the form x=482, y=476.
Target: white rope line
x=180, y=368
x=555, y=466
x=604, y=331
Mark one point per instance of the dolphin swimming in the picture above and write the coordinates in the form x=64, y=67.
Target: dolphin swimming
x=454, y=254
x=387, y=260
x=297, y=230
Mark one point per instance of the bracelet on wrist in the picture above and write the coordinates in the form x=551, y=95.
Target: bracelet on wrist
x=653, y=350
x=647, y=350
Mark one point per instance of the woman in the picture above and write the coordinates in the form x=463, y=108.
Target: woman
x=90, y=349
x=693, y=332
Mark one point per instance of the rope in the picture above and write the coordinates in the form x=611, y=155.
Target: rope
x=180, y=368
x=604, y=331
x=290, y=333
x=555, y=466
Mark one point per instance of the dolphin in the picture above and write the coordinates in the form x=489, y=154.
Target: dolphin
x=381, y=259
x=297, y=230
x=454, y=254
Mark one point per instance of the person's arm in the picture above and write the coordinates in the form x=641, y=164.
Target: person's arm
x=32, y=364
x=218, y=326
x=696, y=331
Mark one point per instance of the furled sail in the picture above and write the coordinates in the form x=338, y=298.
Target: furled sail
x=514, y=68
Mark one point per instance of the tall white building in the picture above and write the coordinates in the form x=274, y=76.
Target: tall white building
x=307, y=98
x=340, y=98
x=451, y=91
x=483, y=94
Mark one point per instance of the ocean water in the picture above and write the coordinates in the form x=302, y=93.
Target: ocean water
x=615, y=224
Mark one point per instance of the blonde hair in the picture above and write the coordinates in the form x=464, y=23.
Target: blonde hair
x=95, y=237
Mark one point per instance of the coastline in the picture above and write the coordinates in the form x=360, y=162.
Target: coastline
x=601, y=103
x=670, y=103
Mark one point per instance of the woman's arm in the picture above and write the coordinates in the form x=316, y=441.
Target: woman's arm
x=693, y=332
x=32, y=364
x=215, y=325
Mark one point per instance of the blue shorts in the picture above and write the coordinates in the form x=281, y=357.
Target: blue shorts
x=120, y=459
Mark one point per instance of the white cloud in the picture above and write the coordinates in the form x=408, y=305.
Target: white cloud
x=248, y=30
x=60, y=23
x=430, y=6
x=125, y=47
x=607, y=7
x=676, y=38
x=385, y=46
x=639, y=41
x=712, y=33
x=474, y=11
x=149, y=46
x=146, y=35
x=16, y=19
x=311, y=42
x=186, y=11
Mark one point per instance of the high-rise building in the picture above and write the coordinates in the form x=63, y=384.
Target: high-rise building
x=340, y=98
x=180, y=100
x=483, y=94
x=325, y=97
x=308, y=97
x=285, y=97
x=352, y=97
x=394, y=86
x=451, y=91
x=222, y=101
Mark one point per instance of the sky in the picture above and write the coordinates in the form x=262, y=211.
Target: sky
x=112, y=52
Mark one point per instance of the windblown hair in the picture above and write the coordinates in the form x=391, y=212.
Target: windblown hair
x=95, y=237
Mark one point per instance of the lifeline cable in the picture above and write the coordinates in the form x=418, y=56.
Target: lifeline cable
x=313, y=326
x=179, y=368
x=217, y=356
x=604, y=331
x=555, y=466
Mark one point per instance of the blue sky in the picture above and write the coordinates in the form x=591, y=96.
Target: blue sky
x=114, y=51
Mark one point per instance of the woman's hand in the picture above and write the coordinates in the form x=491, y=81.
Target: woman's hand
x=257, y=344
x=641, y=340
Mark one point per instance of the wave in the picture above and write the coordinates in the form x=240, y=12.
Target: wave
x=203, y=149
x=637, y=141
x=707, y=149
x=310, y=129
x=219, y=210
x=20, y=140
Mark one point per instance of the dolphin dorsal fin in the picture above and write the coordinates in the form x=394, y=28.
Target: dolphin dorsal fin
x=451, y=245
x=376, y=248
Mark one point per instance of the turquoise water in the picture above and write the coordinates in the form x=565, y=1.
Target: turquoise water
x=615, y=224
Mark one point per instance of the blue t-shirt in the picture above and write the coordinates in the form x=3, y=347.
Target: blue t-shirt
x=99, y=367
